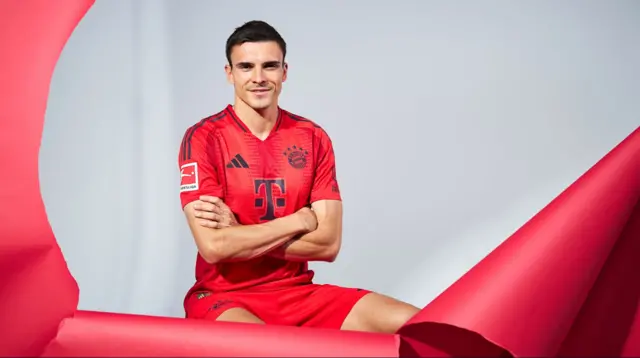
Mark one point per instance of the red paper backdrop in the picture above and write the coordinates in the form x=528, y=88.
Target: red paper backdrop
x=567, y=282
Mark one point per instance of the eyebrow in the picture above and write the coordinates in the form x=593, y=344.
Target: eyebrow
x=268, y=63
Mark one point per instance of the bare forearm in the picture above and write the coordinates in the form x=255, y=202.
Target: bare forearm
x=244, y=242
x=317, y=245
x=322, y=244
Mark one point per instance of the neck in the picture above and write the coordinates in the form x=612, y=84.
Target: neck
x=260, y=122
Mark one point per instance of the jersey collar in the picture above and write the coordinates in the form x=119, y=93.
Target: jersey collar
x=240, y=124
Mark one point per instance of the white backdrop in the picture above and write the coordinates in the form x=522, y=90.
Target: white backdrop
x=453, y=123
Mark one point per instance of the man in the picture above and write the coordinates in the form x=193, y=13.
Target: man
x=261, y=198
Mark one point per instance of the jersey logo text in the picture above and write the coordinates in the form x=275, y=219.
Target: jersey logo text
x=269, y=202
x=189, y=177
x=237, y=162
x=297, y=157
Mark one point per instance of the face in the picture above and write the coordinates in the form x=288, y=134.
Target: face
x=257, y=73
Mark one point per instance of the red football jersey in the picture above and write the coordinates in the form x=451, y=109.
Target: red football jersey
x=260, y=180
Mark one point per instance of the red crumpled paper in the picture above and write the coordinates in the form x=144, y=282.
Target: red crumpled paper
x=565, y=284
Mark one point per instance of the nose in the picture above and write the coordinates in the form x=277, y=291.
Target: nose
x=258, y=75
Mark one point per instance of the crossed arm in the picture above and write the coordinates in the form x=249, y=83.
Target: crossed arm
x=307, y=235
x=321, y=244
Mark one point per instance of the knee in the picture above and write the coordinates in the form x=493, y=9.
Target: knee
x=397, y=317
x=379, y=313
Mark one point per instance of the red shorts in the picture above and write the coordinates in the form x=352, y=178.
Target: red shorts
x=311, y=305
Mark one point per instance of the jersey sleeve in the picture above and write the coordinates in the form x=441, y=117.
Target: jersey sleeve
x=325, y=183
x=197, y=161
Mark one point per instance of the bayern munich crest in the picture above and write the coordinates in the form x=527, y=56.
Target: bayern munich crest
x=296, y=156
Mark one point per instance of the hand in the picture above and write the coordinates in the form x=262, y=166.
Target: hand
x=308, y=219
x=214, y=213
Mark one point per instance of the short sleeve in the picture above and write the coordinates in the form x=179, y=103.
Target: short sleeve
x=197, y=161
x=325, y=183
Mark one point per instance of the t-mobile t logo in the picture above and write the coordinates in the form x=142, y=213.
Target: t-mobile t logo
x=269, y=202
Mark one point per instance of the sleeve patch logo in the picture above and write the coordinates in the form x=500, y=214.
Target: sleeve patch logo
x=189, y=177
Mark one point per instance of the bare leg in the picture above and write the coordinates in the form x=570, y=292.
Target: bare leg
x=238, y=314
x=378, y=313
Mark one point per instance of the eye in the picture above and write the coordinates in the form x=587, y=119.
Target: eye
x=272, y=65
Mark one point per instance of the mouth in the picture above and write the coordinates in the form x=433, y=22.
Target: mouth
x=260, y=92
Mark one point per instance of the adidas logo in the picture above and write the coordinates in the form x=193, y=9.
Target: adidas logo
x=237, y=162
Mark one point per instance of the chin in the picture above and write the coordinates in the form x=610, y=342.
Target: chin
x=257, y=105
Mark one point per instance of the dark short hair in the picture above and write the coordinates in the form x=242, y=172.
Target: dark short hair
x=254, y=31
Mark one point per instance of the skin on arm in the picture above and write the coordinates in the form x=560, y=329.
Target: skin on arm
x=244, y=242
x=321, y=244
x=212, y=212
x=197, y=158
x=219, y=238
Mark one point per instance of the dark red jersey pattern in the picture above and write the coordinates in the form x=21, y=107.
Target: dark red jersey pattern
x=260, y=181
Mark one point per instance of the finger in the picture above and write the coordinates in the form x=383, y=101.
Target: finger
x=208, y=223
x=210, y=199
x=205, y=206
x=208, y=215
x=224, y=207
x=214, y=200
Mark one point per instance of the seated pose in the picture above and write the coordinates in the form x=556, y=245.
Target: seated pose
x=259, y=190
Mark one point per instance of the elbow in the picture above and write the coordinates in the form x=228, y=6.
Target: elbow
x=214, y=252
x=331, y=252
x=211, y=256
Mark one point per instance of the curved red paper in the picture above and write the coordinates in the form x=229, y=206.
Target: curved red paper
x=94, y=334
x=604, y=325
x=551, y=280
x=552, y=296
x=39, y=296
x=37, y=291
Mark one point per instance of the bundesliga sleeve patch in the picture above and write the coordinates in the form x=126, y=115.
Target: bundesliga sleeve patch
x=189, y=177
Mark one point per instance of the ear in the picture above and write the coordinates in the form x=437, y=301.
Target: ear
x=285, y=71
x=227, y=70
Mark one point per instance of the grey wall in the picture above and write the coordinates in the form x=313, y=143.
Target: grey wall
x=453, y=123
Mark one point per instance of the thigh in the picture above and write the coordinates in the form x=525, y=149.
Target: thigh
x=220, y=307
x=238, y=314
x=320, y=306
x=378, y=313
